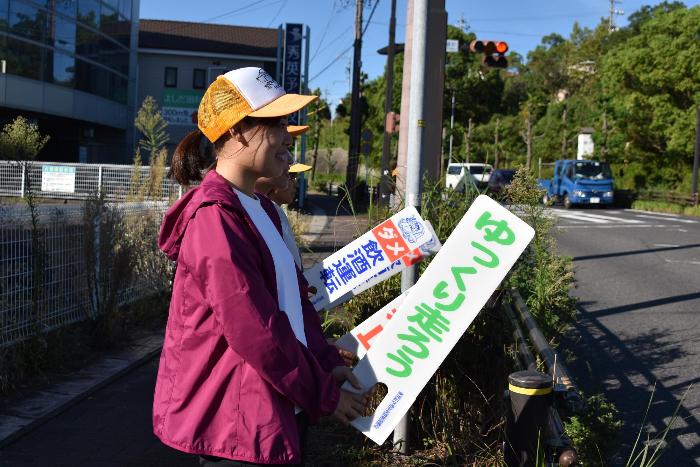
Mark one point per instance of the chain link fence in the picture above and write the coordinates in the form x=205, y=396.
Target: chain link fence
x=64, y=180
x=59, y=269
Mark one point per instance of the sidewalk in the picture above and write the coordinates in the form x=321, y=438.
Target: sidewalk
x=329, y=228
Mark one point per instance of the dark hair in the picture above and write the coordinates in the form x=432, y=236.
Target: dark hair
x=189, y=160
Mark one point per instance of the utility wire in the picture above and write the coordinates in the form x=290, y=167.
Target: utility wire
x=325, y=31
x=284, y=3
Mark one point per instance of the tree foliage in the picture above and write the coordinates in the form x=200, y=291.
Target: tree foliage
x=637, y=88
x=150, y=122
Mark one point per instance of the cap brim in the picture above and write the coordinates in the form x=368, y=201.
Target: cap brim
x=284, y=105
x=297, y=168
x=296, y=130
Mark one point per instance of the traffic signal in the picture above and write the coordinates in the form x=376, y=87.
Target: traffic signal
x=494, y=52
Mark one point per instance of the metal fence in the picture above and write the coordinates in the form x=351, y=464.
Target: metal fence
x=63, y=295
x=16, y=178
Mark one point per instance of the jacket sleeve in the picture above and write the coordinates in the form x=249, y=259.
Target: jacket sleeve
x=326, y=354
x=228, y=263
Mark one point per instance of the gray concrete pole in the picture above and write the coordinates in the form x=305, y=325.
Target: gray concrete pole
x=416, y=125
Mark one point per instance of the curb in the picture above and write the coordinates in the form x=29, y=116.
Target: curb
x=32, y=411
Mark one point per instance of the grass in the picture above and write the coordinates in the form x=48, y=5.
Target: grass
x=665, y=206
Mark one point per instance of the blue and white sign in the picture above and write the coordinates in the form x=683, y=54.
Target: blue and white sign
x=291, y=78
x=58, y=178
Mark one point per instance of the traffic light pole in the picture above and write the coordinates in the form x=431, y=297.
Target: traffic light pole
x=384, y=185
x=355, y=110
x=416, y=125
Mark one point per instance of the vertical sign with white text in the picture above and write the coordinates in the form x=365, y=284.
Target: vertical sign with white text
x=291, y=78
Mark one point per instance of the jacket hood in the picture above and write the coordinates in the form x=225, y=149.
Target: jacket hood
x=213, y=189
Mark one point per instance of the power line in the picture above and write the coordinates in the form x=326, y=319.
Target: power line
x=331, y=63
x=370, y=17
x=325, y=31
x=284, y=3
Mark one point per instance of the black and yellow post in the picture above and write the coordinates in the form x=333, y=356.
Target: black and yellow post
x=530, y=394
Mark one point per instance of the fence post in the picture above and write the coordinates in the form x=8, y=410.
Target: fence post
x=530, y=394
x=99, y=180
x=24, y=175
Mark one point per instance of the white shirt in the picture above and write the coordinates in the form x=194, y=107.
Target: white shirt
x=288, y=236
x=288, y=294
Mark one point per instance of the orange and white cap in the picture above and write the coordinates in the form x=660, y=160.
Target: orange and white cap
x=244, y=92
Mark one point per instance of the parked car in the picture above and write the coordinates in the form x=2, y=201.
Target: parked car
x=579, y=182
x=458, y=177
x=479, y=172
x=499, y=180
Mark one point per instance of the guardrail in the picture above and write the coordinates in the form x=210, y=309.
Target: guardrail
x=562, y=386
x=671, y=197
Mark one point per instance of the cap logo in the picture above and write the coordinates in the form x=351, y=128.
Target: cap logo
x=265, y=78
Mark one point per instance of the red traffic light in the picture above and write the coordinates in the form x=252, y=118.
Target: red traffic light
x=494, y=52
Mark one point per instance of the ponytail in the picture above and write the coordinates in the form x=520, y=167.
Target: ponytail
x=188, y=159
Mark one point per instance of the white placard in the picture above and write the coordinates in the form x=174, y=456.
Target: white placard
x=429, y=248
x=438, y=310
x=360, y=339
x=376, y=250
x=452, y=45
x=58, y=178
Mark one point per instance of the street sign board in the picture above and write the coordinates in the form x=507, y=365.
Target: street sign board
x=438, y=310
x=373, y=253
x=452, y=46
x=291, y=78
x=179, y=106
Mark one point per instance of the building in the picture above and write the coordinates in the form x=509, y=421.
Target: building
x=71, y=66
x=178, y=60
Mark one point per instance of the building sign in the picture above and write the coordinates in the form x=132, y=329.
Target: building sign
x=411, y=345
x=374, y=253
x=58, y=178
x=429, y=248
x=291, y=78
x=180, y=107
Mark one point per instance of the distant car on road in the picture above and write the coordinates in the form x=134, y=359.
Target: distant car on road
x=479, y=172
x=499, y=180
x=459, y=178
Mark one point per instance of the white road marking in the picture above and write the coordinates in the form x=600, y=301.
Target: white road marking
x=666, y=245
x=608, y=226
x=665, y=214
x=596, y=218
x=646, y=216
x=682, y=261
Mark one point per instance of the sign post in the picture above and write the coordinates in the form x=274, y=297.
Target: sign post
x=438, y=310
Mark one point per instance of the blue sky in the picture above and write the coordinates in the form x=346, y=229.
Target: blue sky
x=521, y=23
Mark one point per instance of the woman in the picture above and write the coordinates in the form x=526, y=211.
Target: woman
x=243, y=350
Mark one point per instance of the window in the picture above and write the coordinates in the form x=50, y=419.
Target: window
x=23, y=58
x=63, y=69
x=170, y=77
x=570, y=171
x=64, y=34
x=89, y=12
x=28, y=21
x=199, y=77
x=454, y=170
x=4, y=7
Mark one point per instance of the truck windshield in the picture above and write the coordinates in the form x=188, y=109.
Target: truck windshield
x=454, y=169
x=593, y=170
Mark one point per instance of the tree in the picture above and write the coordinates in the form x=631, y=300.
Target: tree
x=21, y=140
x=150, y=122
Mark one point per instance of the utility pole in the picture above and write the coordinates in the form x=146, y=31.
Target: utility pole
x=613, y=12
x=415, y=154
x=496, y=156
x=468, y=141
x=696, y=159
x=356, y=111
x=452, y=125
x=384, y=184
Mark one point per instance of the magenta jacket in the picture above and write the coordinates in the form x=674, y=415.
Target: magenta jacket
x=231, y=369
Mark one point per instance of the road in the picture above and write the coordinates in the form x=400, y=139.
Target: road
x=638, y=285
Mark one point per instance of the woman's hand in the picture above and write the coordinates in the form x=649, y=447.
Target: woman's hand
x=351, y=405
x=342, y=374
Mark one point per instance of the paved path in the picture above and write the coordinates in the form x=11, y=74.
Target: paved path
x=638, y=282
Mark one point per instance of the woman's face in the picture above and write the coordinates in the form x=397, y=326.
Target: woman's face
x=266, y=184
x=267, y=151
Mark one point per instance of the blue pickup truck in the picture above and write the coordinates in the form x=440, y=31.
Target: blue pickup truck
x=579, y=182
